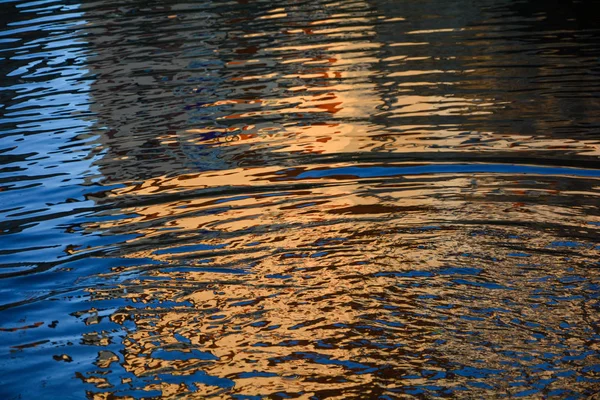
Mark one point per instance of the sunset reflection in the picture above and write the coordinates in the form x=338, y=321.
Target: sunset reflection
x=369, y=199
x=339, y=277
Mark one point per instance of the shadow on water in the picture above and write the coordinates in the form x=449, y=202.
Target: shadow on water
x=247, y=199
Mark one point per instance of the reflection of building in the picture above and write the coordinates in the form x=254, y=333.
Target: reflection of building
x=201, y=88
x=172, y=105
x=133, y=98
x=537, y=92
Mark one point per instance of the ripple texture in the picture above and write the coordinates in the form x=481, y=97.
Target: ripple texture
x=299, y=199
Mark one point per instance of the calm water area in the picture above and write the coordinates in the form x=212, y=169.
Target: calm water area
x=313, y=199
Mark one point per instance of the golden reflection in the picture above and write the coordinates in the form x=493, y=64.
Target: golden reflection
x=245, y=272
x=306, y=289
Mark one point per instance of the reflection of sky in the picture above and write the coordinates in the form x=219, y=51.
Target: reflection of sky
x=47, y=142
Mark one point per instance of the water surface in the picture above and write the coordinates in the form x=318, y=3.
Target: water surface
x=307, y=199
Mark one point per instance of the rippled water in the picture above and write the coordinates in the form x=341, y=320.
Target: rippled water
x=299, y=199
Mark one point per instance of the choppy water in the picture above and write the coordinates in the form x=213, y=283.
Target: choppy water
x=299, y=199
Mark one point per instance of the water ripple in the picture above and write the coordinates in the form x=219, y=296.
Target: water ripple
x=360, y=199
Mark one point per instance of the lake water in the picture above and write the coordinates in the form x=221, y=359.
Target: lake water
x=299, y=199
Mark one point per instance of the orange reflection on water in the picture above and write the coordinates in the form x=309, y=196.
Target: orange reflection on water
x=248, y=239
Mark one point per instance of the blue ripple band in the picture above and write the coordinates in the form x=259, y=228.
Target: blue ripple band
x=379, y=171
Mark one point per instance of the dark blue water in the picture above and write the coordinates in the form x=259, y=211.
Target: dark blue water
x=307, y=199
